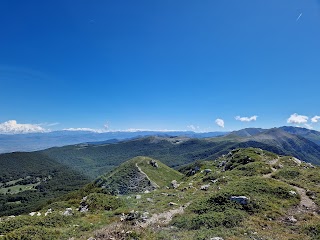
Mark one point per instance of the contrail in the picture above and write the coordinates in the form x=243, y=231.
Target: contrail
x=299, y=17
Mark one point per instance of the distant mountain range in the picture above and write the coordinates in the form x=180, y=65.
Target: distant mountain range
x=98, y=158
x=74, y=165
x=309, y=134
x=38, y=141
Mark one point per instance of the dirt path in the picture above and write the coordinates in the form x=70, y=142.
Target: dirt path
x=165, y=217
x=306, y=204
x=152, y=183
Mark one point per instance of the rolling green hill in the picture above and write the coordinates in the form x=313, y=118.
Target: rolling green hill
x=138, y=175
x=38, y=176
x=309, y=134
x=245, y=194
x=94, y=160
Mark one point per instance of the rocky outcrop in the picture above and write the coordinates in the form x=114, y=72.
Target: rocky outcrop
x=243, y=200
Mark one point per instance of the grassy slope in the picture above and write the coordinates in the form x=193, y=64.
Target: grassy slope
x=127, y=178
x=209, y=214
x=162, y=176
x=94, y=160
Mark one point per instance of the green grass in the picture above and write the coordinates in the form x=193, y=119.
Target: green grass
x=18, y=188
x=162, y=176
x=210, y=213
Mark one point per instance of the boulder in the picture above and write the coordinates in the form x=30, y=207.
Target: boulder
x=216, y=238
x=206, y=171
x=144, y=216
x=292, y=219
x=243, y=200
x=292, y=193
x=138, y=196
x=175, y=184
x=132, y=216
x=214, y=181
x=222, y=164
x=83, y=209
x=205, y=187
x=68, y=212
x=193, y=171
x=48, y=212
x=153, y=163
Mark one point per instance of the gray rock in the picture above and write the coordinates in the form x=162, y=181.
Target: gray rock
x=243, y=200
x=206, y=171
x=132, y=216
x=49, y=211
x=310, y=165
x=222, y=164
x=68, y=212
x=205, y=187
x=83, y=209
x=292, y=193
x=175, y=184
x=292, y=219
x=138, y=196
x=216, y=238
x=144, y=216
x=153, y=163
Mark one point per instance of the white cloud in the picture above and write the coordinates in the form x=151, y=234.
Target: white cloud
x=193, y=127
x=106, y=126
x=86, y=130
x=309, y=126
x=297, y=119
x=220, y=122
x=126, y=130
x=48, y=124
x=12, y=127
x=246, y=119
x=315, y=119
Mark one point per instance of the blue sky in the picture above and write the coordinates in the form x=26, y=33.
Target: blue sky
x=159, y=64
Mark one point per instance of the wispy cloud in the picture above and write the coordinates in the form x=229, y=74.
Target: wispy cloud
x=85, y=130
x=246, y=119
x=220, y=122
x=12, y=127
x=193, y=127
x=315, y=119
x=298, y=18
x=48, y=124
x=125, y=130
x=309, y=126
x=297, y=119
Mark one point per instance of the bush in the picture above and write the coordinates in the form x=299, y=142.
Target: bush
x=228, y=219
x=288, y=173
x=100, y=201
